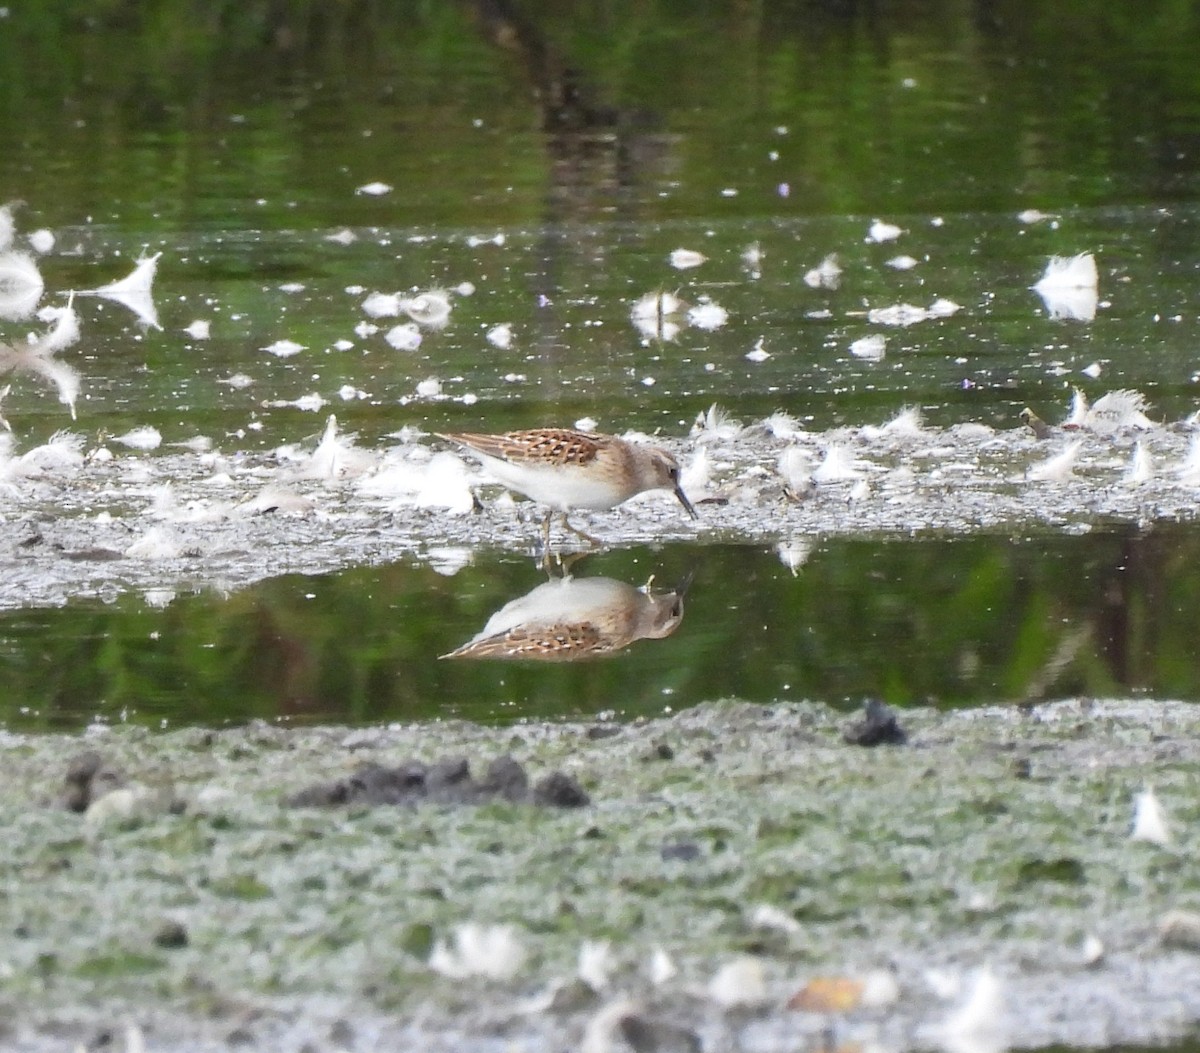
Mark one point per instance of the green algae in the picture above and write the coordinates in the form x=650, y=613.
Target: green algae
x=996, y=836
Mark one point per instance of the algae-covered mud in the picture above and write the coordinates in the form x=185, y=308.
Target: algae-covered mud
x=737, y=877
x=96, y=526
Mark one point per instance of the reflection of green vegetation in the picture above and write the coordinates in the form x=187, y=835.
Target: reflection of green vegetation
x=920, y=107
x=947, y=622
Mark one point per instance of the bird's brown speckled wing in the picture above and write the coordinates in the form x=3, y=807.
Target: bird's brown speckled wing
x=550, y=446
x=541, y=643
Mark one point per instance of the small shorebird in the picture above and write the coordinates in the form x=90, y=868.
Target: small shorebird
x=1041, y=429
x=564, y=469
x=570, y=619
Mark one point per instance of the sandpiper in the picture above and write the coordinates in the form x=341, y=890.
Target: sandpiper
x=569, y=619
x=565, y=469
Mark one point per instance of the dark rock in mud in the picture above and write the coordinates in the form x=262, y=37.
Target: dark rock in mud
x=171, y=935
x=447, y=781
x=559, y=790
x=879, y=726
x=684, y=851
x=646, y=1035
x=88, y=778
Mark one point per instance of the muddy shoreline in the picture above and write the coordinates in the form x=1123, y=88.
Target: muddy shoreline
x=204, y=913
x=100, y=526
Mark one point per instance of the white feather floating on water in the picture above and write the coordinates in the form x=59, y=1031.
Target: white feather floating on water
x=658, y=315
x=1189, y=469
x=752, y=258
x=404, y=337
x=65, y=379
x=900, y=314
x=311, y=403
x=943, y=308
x=1033, y=215
x=284, y=348
x=1058, y=468
x=200, y=329
x=707, y=315
x=382, y=305
x=1149, y=819
x=35, y=354
x=64, y=333
x=374, y=189
x=715, y=425
x=906, y=424
x=782, y=425
x=1141, y=468
x=156, y=543
x=8, y=226
x=1077, y=418
x=1074, y=305
x=1069, y=287
x=430, y=308
x=500, y=336
x=825, y=275
x=336, y=456
x=685, y=259
x=870, y=348
x=144, y=438
x=1117, y=411
x=696, y=475
x=655, y=305
x=757, y=353
x=21, y=285
x=838, y=466
x=134, y=291
x=881, y=231
x=793, y=554
x=795, y=468
x=63, y=451
x=441, y=481
x=1069, y=272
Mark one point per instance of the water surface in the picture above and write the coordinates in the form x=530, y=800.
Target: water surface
x=932, y=621
x=765, y=140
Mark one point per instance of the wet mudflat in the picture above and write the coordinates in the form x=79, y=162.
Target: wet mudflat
x=826, y=255
x=724, y=862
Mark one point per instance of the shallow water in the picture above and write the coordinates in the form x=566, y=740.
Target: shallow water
x=764, y=142
x=933, y=621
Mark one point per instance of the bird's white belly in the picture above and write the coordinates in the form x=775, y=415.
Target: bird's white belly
x=561, y=488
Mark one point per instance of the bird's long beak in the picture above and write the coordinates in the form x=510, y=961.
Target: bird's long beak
x=684, y=501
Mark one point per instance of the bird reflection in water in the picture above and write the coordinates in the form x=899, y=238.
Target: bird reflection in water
x=569, y=619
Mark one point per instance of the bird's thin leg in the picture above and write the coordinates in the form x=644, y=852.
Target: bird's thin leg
x=568, y=562
x=547, y=555
x=595, y=542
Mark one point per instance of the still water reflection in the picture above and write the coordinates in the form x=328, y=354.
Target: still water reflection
x=570, y=619
x=949, y=622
